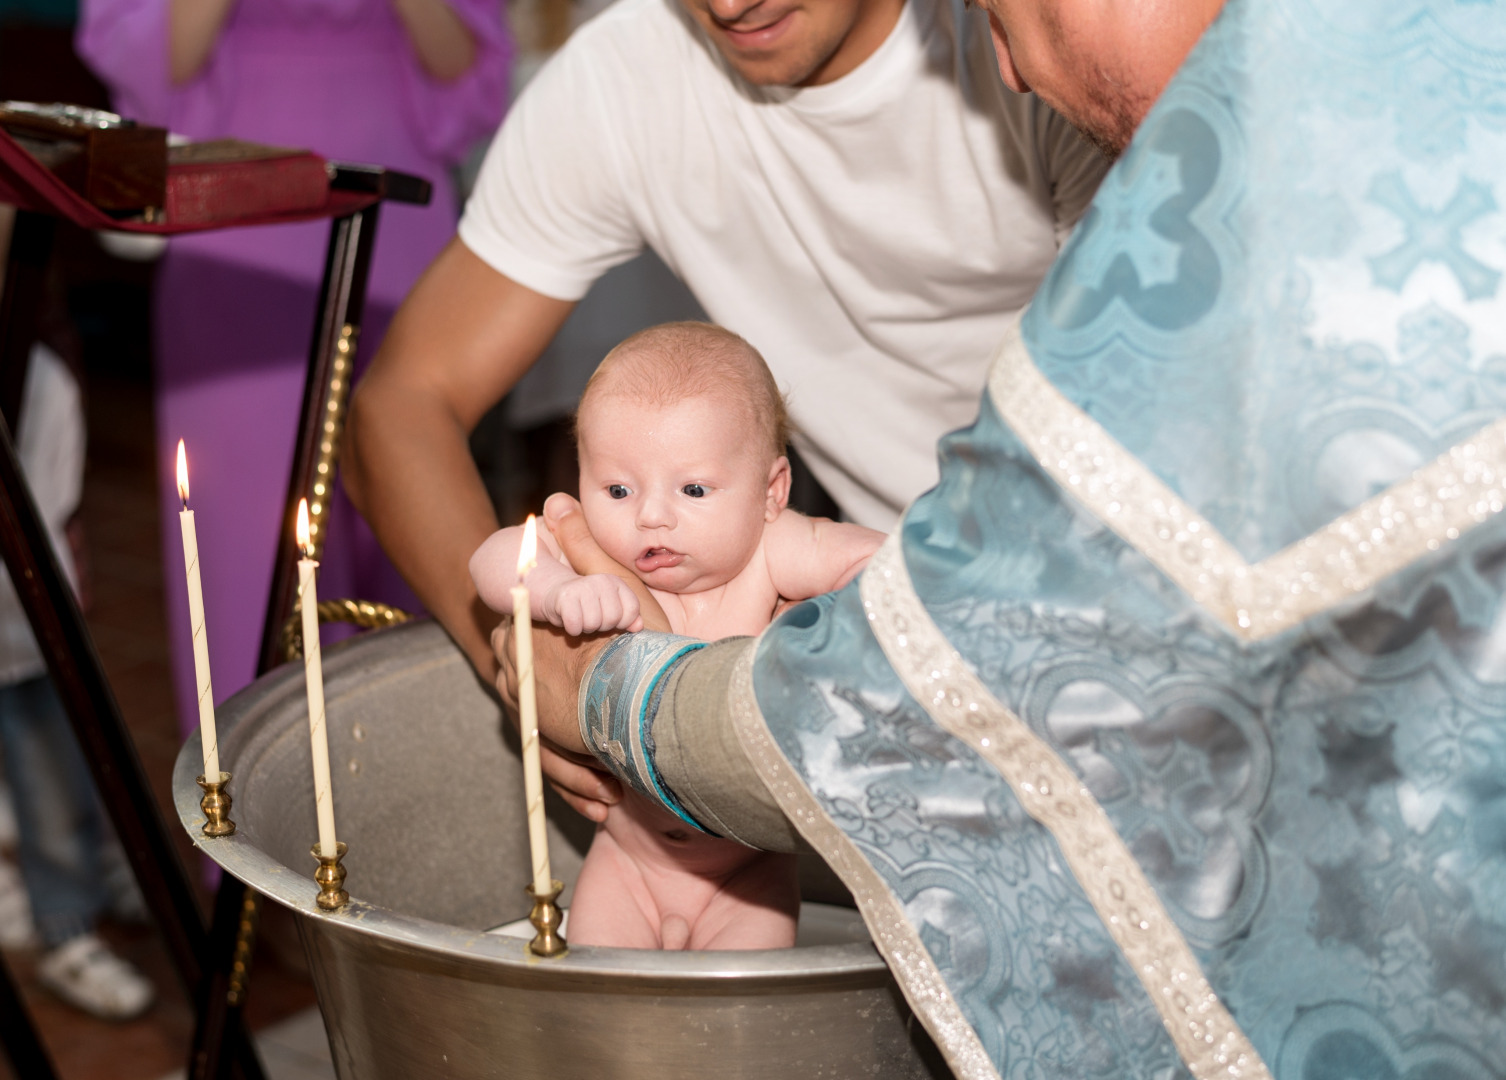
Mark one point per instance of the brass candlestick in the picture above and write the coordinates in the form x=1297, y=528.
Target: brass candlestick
x=216, y=806
x=331, y=878
x=546, y=919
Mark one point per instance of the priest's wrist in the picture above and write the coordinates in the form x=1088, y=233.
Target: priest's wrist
x=655, y=710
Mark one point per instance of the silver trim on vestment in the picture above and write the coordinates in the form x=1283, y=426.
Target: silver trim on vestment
x=1210, y=1043
x=1352, y=553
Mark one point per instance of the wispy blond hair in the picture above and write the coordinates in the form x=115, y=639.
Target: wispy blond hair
x=676, y=361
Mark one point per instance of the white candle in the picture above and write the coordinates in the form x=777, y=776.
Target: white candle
x=528, y=715
x=207, y=734
x=313, y=677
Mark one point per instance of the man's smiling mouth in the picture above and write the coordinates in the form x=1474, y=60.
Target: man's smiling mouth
x=756, y=36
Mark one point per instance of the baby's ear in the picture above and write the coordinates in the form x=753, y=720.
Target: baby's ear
x=779, y=488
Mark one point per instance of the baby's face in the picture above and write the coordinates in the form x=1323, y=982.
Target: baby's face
x=679, y=494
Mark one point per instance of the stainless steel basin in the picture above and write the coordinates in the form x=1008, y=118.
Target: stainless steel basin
x=428, y=795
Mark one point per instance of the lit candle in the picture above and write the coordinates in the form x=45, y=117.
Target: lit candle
x=196, y=620
x=528, y=715
x=313, y=677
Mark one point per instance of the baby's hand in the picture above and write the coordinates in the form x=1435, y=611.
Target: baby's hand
x=585, y=605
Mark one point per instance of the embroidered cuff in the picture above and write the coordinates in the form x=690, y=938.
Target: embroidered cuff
x=618, y=701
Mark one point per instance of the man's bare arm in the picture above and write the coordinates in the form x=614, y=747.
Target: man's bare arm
x=464, y=336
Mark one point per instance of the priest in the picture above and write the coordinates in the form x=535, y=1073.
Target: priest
x=1167, y=734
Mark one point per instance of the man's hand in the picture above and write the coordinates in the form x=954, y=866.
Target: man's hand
x=462, y=338
x=587, y=605
x=560, y=661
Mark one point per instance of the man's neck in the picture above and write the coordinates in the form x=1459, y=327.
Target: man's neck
x=875, y=22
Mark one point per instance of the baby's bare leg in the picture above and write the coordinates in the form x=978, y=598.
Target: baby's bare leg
x=612, y=904
x=651, y=882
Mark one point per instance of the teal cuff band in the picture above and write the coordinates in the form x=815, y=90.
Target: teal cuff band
x=618, y=702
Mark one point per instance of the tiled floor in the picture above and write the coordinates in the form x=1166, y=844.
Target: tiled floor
x=126, y=620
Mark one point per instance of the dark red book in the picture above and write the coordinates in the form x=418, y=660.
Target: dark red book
x=115, y=164
x=226, y=180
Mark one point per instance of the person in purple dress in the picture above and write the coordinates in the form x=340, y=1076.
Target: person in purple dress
x=407, y=84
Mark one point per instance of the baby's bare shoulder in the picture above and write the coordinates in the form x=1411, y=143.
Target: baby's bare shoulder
x=807, y=556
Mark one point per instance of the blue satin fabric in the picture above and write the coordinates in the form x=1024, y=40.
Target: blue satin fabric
x=1286, y=297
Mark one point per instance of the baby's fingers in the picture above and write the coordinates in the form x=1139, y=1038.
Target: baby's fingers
x=591, y=618
x=628, y=618
x=619, y=609
x=572, y=615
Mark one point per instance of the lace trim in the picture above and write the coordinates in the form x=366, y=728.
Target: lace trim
x=923, y=985
x=1206, y=1036
x=1351, y=554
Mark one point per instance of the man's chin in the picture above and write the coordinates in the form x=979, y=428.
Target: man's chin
x=771, y=71
x=1109, y=145
x=790, y=64
x=1108, y=125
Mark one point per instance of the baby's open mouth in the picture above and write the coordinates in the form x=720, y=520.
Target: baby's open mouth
x=657, y=558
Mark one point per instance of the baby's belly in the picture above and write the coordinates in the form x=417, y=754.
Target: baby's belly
x=657, y=840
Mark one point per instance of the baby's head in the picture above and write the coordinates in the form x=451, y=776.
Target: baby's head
x=681, y=433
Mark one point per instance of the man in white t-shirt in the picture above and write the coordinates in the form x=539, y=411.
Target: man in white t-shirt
x=845, y=183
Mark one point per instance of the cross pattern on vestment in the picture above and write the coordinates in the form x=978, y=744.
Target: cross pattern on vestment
x=1434, y=235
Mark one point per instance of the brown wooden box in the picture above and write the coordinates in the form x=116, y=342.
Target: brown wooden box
x=120, y=168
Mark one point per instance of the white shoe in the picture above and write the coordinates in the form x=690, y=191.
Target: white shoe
x=17, y=930
x=87, y=975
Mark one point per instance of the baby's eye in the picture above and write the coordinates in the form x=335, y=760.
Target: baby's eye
x=617, y=491
x=695, y=491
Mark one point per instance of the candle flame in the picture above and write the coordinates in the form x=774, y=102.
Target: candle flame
x=303, y=529
x=182, y=475
x=528, y=553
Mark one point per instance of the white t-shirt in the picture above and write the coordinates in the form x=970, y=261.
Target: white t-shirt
x=871, y=236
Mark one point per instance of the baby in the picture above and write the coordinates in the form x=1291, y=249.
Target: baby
x=683, y=479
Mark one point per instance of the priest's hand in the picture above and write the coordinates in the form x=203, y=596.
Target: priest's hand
x=563, y=516
x=560, y=662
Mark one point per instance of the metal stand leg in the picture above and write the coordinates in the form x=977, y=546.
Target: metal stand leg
x=31, y=243
x=25, y=1052
x=342, y=302
x=321, y=421
x=232, y=933
x=95, y=715
x=30, y=248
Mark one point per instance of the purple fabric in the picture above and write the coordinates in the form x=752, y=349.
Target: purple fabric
x=235, y=309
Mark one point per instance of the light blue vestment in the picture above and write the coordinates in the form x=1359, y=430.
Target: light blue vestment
x=1169, y=736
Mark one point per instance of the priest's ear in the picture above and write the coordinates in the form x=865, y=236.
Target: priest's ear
x=779, y=488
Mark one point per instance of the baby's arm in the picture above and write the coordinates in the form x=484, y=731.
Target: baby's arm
x=811, y=556
x=582, y=605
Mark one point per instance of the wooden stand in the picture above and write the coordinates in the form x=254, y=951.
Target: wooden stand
x=203, y=956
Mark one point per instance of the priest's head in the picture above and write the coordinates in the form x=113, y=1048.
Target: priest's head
x=1100, y=63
